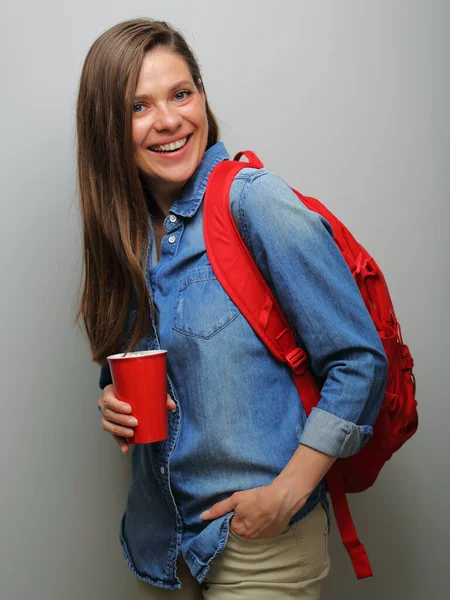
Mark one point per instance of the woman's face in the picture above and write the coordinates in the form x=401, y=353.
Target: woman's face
x=168, y=109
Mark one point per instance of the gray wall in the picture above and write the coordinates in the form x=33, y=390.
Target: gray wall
x=349, y=102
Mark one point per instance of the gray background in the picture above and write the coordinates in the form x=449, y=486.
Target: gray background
x=349, y=102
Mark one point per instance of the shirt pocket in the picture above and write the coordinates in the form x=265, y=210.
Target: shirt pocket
x=202, y=308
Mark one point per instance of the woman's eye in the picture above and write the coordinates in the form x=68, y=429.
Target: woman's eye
x=182, y=95
x=136, y=107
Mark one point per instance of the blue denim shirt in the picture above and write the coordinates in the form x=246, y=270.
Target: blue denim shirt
x=238, y=419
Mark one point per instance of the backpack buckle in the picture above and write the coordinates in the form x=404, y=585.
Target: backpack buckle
x=297, y=360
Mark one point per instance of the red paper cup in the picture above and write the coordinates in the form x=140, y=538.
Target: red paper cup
x=139, y=379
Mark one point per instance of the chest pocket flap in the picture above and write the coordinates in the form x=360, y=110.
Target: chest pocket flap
x=202, y=308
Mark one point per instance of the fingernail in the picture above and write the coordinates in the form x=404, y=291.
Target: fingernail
x=132, y=421
x=204, y=514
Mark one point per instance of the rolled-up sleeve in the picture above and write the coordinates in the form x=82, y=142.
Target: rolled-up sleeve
x=295, y=251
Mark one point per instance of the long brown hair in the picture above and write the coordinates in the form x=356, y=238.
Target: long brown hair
x=113, y=206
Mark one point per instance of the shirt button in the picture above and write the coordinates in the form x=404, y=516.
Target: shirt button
x=172, y=239
x=161, y=470
x=172, y=218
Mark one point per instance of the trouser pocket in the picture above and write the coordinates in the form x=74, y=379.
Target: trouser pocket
x=292, y=565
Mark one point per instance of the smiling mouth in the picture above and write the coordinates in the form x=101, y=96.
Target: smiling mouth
x=168, y=148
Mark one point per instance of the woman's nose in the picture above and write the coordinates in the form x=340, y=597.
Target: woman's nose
x=167, y=118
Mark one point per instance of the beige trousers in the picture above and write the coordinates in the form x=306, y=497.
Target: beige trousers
x=292, y=565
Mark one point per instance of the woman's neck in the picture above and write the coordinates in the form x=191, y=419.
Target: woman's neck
x=165, y=195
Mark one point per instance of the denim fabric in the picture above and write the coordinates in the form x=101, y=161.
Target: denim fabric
x=238, y=419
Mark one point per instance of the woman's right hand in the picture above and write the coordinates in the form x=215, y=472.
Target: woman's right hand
x=117, y=418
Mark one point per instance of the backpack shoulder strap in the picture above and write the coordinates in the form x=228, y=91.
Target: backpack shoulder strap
x=235, y=269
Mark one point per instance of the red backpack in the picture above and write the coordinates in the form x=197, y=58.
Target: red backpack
x=234, y=267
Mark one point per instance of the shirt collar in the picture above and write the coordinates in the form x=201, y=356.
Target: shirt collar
x=191, y=195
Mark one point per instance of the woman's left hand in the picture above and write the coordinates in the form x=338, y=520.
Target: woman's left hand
x=261, y=512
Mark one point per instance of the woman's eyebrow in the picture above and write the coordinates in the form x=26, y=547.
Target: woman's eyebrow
x=171, y=89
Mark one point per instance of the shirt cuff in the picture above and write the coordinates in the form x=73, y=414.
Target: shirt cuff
x=332, y=435
x=105, y=376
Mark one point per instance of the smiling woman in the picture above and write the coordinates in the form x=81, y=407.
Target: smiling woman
x=233, y=503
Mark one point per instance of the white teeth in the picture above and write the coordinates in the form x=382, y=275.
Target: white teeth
x=169, y=147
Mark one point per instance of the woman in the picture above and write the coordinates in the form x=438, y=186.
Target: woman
x=233, y=503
